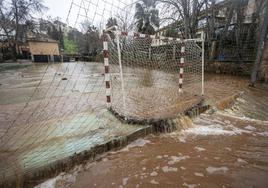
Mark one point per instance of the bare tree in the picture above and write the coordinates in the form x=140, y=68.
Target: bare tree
x=125, y=21
x=185, y=13
x=14, y=13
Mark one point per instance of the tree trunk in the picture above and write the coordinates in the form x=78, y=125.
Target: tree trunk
x=15, y=47
x=261, y=45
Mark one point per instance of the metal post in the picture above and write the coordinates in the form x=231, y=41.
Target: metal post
x=107, y=74
x=203, y=62
x=182, y=65
x=121, y=70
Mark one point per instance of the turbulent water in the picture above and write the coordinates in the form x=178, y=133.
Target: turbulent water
x=221, y=149
x=225, y=148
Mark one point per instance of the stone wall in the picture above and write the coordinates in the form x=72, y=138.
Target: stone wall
x=231, y=68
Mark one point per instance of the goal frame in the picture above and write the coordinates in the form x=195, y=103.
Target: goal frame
x=118, y=34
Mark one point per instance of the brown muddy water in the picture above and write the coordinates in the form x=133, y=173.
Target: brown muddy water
x=49, y=113
x=221, y=148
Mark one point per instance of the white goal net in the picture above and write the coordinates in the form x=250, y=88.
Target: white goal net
x=152, y=77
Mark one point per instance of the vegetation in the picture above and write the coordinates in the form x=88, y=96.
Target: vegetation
x=69, y=46
x=147, y=17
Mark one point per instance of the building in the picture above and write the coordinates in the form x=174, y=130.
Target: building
x=44, y=50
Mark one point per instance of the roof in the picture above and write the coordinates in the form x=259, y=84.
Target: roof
x=47, y=40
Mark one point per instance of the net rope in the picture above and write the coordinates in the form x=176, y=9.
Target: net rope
x=58, y=110
x=151, y=73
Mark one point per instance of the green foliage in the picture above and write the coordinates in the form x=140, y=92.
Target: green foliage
x=69, y=46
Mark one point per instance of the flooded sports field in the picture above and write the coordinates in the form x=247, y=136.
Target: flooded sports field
x=220, y=149
x=51, y=112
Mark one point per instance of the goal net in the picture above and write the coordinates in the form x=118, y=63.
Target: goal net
x=151, y=77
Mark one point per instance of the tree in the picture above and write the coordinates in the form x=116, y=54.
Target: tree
x=125, y=21
x=147, y=17
x=69, y=46
x=111, y=22
x=92, y=44
x=15, y=13
x=185, y=13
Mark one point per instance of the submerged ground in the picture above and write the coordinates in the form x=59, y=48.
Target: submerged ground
x=48, y=113
x=221, y=149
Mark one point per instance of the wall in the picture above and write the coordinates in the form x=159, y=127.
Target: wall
x=44, y=48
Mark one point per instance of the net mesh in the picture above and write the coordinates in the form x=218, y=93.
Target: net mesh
x=151, y=66
x=50, y=112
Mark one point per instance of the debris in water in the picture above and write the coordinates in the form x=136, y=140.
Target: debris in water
x=64, y=79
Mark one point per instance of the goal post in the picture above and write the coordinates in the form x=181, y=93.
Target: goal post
x=150, y=74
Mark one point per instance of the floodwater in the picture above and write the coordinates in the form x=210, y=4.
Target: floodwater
x=218, y=149
x=48, y=113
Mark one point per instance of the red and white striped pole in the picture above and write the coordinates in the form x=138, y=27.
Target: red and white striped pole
x=182, y=66
x=106, y=68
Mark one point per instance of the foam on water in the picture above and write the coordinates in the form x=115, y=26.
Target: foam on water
x=250, y=128
x=199, y=149
x=199, y=174
x=138, y=143
x=169, y=169
x=209, y=130
x=189, y=185
x=206, y=126
x=212, y=170
x=51, y=183
x=176, y=159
